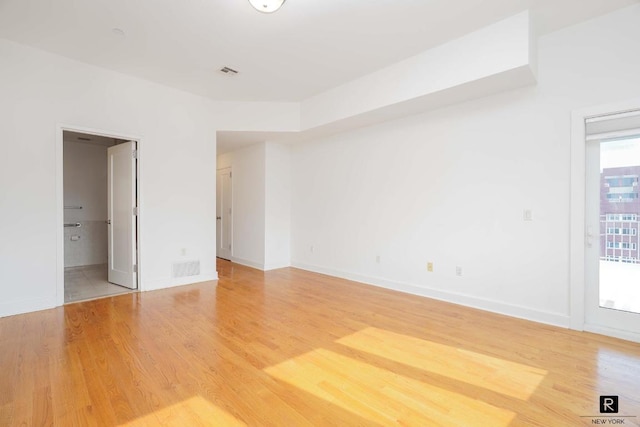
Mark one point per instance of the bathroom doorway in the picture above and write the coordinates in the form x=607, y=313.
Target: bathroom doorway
x=100, y=194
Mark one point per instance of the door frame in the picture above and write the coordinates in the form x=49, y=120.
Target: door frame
x=59, y=189
x=230, y=169
x=577, y=223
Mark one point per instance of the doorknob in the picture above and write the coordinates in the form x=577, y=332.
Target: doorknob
x=218, y=217
x=108, y=222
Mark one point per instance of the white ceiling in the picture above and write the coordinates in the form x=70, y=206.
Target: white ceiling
x=307, y=47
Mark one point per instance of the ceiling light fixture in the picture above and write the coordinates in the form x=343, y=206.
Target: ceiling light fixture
x=266, y=6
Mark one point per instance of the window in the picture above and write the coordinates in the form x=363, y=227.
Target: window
x=621, y=181
x=622, y=197
x=624, y=231
x=622, y=217
x=622, y=245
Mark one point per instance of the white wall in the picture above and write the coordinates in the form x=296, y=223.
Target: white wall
x=450, y=186
x=492, y=59
x=177, y=132
x=85, y=181
x=447, y=187
x=277, y=215
x=248, y=204
x=178, y=150
x=261, y=188
x=85, y=185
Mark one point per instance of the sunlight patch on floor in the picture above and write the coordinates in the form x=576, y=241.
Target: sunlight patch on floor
x=382, y=396
x=195, y=411
x=491, y=373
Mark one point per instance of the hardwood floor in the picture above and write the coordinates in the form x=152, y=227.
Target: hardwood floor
x=293, y=348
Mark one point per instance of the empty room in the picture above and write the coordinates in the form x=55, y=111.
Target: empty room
x=306, y=213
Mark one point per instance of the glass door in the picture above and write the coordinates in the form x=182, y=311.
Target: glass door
x=612, y=264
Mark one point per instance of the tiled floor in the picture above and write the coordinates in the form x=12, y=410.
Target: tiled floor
x=88, y=282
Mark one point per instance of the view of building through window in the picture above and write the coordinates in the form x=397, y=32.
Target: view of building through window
x=619, y=225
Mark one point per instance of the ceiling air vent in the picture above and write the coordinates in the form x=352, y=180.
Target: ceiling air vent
x=82, y=138
x=228, y=71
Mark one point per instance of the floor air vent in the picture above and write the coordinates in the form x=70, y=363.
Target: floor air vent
x=185, y=269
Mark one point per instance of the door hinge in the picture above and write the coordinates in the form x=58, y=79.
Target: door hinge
x=230, y=174
x=135, y=153
x=136, y=211
x=135, y=268
x=229, y=246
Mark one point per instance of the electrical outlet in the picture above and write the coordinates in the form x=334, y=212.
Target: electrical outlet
x=377, y=259
x=311, y=248
x=430, y=267
x=183, y=251
x=458, y=270
x=527, y=215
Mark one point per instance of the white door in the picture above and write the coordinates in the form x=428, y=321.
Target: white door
x=612, y=263
x=223, y=213
x=121, y=194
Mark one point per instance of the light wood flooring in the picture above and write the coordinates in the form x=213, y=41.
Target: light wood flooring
x=293, y=348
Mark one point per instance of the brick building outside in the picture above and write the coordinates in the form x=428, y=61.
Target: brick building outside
x=620, y=214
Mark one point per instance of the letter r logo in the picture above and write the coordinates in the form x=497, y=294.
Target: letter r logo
x=608, y=404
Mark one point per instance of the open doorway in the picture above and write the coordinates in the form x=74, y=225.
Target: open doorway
x=100, y=193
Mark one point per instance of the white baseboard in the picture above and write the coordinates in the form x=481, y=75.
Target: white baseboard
x=247, y=263
x=26, y=306
x=170, y=282
x=260, y=266
x=276, y=265
x=616, y=333
x=486, y=304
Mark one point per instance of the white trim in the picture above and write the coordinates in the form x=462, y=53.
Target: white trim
x=577, y=201
x=233, y=210
x=59, y=174
x=258, y=265
x=26, y=306
x=277, y=265
x=139, y=196
x=616, y=333
x=577, y=221
x=171, y=282
x=512, y=310
x=633, y=112
x=247, y=263
x=629, y=133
